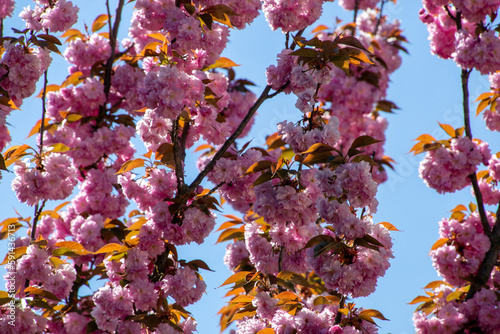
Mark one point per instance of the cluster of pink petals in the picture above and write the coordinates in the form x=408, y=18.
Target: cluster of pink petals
x=21, y=70
x=463, y=254
x=481, y=53
x=58, y=16
x=56, y=181
x=6, y=8
x=447, y=169
x=291, y=15
x=481, y=312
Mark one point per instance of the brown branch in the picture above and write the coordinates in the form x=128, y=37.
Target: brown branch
x=465, y=101
x=379, y=19
x=179, y=154
x=113, y=33
x=264, y=96
x=489, y=261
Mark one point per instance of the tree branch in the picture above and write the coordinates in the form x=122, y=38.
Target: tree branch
x=489, y=261
x=264, y=96
x=113, y=33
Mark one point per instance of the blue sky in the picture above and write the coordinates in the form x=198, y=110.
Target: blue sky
x=427, y=90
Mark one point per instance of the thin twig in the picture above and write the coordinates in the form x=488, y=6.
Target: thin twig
x=113, y=33
x=264, y=96
x=379, y=20
x=356, y=9
x=214, y=189
x=338, y=317
x=465, y=101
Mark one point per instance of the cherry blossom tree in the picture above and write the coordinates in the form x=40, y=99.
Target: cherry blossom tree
x=307, y=242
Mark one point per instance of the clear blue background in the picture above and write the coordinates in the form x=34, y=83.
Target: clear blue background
x=427, y=90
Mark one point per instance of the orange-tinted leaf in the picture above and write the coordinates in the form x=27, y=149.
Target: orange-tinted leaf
x=36, y=128
x=448, y=129
x=222, y=62
x=99, y=22
x=321, y=27
x=203, y=147
x=420, y=299
x=17, y=253
x=318, y=148
x=454, y=295
x=389, y=226
x=373, y=313
x=482, y=105
x=109, y=248
x=266, y=331
x=72, y=32
x=287, y=295
x=236, y=277
x=483, y=174
x=73, y=79
x=439, y=243
x=158, y=36
x=317, y=157
x=484, y=96
x=50, y=88
x=426, y=137
x=131, y=164
x=242, y=299
x=74, y=246
x=230, y=234
x=40, y=292
x=59, y=148
x=436, y=284
x=137, y=224
x=259, y=166
x=459, y=207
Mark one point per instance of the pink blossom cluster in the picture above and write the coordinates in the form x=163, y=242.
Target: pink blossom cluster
x=481, y=312
x=20, y=70
x=492, y=118
x=26, y=321
x=476, y=11
x=472, y=52
x=193, y=225
x=185, y=286
x=358, y=4
x=35, y=267
x=55, y=16
x=236, y=184
x=301, y=138
x=83, y=53
x=54, y=180
x=199, y=46
x=245, y=11
x=356, y=272
x=6, y=8
x=168, y=91
x=97, y=195
x=447, y=169
x=156, y=186
x=463, y=253
x=441, y=28
x=308, y=320
x=291, y=15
